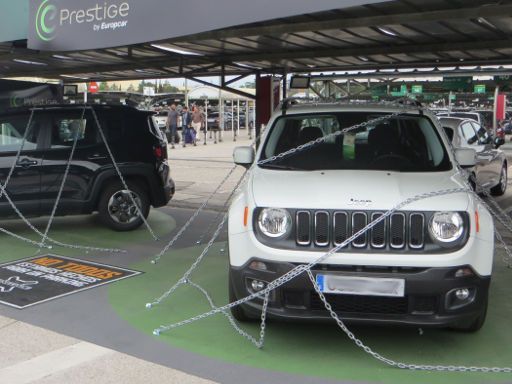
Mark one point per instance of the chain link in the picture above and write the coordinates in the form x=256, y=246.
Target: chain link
x=192, y=218
x=118, y=171
x=298, y=270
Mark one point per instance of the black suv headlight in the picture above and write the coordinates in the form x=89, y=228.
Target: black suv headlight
x=446, y=227
x=274, y=222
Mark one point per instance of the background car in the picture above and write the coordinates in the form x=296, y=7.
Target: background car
x=93, y=183
x=490, y=171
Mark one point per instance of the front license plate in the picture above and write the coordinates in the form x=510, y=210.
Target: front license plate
x=367, y=286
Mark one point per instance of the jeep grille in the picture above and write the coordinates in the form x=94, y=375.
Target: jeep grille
x=399, y=231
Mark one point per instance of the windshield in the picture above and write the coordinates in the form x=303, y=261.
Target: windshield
x=404, y=143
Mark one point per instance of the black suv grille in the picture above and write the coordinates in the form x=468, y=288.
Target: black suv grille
x=399, y=231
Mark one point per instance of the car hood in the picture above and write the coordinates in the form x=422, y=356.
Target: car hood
x=342, y=189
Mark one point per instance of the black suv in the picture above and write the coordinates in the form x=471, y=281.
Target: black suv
x=92, y=184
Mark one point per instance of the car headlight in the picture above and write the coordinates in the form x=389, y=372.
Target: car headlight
x=274, y=222
x=446, y=227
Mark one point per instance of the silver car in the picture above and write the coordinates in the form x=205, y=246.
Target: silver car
x=490, y=171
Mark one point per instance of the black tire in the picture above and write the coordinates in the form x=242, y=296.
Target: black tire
x=123, y=218
x=477, y=323
x=501, y=187
x=237, y=312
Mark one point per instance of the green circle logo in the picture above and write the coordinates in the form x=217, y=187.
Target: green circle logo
x=14, y=102
x=45, y=17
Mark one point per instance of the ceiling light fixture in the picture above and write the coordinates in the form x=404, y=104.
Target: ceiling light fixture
x=486, y=22
x=387, y=31
x=246, y=65
x=28, y=62
x=181, y=51
x=363, y=58
x=61, y=57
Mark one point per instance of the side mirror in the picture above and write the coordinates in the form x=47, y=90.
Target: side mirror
x=499, y=141
x=466, y=157
x=244, y=156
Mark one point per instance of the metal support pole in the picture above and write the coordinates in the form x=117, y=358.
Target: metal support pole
x=186, y=92
x=495, y=110
x=233, y=119
x=221, y=116
x=238, y=116
x=247, y=118
x=205, y=119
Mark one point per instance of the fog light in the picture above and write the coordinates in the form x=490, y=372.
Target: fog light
x=462, y=294
x=257, y=285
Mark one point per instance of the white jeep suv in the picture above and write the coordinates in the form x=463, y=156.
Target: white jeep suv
x=427, y=264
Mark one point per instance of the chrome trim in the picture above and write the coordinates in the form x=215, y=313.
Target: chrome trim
x=383, y=222
x=422, y=231
x=334, y=227
x=322, y=244
x=395, y=246
x=365, y=235
x=297, y=228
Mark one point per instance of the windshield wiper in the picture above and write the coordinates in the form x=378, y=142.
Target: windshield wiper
x=280, y=166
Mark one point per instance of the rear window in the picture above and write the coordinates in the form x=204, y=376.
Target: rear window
x=404, y=143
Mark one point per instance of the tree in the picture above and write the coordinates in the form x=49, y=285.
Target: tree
x=130, y=88
x=104, y=86
x=249, y=84
x=168, y=88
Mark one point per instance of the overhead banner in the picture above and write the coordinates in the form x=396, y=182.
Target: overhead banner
x=63, y=25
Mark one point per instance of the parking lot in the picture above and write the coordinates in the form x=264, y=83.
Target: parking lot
x=115, y=317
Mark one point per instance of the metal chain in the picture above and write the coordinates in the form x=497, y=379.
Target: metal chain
x=192, y=218
x=64, y=179
x=322, y=139
x=258, y=343
x=307, y=268
x=293, y=273
x=18, y=153
x=393, y=363
x=118, y=171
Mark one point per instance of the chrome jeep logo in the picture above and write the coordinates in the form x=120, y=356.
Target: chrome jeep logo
x=360, y=203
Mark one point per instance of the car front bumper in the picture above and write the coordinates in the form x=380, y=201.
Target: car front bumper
x=429, y=298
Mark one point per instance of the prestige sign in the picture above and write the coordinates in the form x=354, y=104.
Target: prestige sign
x=71, y=25
x=24, y=283
x=50, y=18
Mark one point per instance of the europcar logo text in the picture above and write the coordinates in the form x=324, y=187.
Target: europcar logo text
x=45, y=21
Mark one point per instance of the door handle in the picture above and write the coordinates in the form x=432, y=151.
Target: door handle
x=26, y=163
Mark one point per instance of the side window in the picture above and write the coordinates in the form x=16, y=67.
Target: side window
x=469, y=133
x=12, y=131
x=65, y=128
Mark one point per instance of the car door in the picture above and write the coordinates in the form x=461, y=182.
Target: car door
x=490, y=154
x=89, y=156
x=23, y=187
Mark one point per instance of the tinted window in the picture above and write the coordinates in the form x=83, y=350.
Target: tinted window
x=12, y=130
x=407, y=143
x=66, y=127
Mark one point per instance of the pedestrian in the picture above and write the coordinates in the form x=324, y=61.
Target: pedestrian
x=172, y=125
x=197, y=120
x=186, y=120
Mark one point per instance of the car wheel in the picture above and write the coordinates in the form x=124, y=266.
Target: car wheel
x=477, y=323
x=116, y=208
x=237, y=312
x=501, y=187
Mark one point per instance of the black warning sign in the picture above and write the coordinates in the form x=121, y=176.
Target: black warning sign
x=24, y=283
